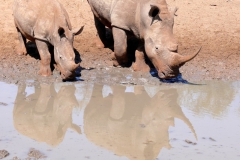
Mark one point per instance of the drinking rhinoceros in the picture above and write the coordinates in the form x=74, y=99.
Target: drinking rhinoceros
x=47, y=23
x=151, y=22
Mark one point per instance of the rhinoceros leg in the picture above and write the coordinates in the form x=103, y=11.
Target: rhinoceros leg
x=21, y=49
x=119, y=56
x=45, y=56
x=101, y=33
x=140, y=64
x=118, y=103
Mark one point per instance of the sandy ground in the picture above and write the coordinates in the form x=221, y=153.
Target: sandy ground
x=212, y=24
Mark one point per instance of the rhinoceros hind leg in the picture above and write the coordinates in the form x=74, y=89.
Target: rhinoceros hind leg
x=119, y=56
x=21, y=48
x=140, y=64
x=100, y=40
x=45, y=56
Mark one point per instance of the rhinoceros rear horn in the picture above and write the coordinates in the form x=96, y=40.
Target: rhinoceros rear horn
x=77, y=31
x=180, y=60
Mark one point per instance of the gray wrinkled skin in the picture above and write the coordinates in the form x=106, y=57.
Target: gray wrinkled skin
x=151, y=22
x=46, y=22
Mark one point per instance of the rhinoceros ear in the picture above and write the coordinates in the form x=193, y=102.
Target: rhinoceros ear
x=154, y=11
x=174, y=10
x=77, y=31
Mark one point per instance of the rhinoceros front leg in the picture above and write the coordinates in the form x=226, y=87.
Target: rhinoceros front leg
x=101, y=33
x=140, y=64
x=45, y=56
x=21, y=48
x=119, y=56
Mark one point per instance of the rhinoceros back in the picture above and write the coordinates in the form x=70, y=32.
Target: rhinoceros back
x=118, y=13
x=124, y=13
x=38, y=17
x=102, y=10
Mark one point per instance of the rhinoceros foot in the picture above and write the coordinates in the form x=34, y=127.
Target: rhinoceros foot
x=21, y=50
x=114, y=59
x=140, y=64
x=119, y=61
x=45, y=71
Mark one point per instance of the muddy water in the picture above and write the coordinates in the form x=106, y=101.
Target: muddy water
x=87, y=121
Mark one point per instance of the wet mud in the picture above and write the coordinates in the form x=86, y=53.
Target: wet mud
x=94, y=121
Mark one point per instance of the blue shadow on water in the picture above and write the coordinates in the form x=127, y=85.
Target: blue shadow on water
x=75, y=79
x=77, y=75
x=78, y=78
x=177, y=79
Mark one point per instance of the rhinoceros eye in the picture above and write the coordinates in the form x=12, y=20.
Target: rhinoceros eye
x=154, y=11
x=61, y=32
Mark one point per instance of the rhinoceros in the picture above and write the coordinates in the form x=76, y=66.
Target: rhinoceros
x=47, y=23
x=151, y=22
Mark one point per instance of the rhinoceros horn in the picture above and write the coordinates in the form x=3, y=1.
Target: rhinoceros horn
x=180, y=60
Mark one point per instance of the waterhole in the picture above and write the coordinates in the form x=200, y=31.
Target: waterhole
x=91, y=121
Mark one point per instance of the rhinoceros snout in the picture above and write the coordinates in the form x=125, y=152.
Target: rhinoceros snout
x=168, y=74
x=67, y=72
x=67, y=75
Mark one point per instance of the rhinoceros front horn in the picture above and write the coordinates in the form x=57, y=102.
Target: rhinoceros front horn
x=180, y=60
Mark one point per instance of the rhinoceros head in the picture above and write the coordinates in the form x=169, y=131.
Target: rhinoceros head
x=160, y=45
x=63, y=51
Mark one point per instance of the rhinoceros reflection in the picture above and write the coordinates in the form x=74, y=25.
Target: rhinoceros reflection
x=45, y=115
x=134, y=124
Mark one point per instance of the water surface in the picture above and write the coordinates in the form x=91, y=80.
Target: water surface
x=90, y=121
